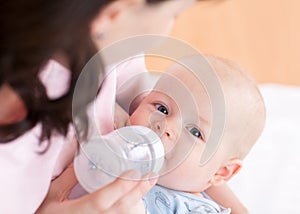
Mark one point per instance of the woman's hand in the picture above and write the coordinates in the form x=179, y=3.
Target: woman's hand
x=121, y=117
x=121, y=196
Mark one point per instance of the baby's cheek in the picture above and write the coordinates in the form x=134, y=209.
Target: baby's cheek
x=136, y=119
x=172, y=179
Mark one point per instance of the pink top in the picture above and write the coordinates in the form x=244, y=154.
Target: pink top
x=25, y=174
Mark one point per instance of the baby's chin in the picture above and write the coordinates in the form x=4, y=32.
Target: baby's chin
x=166, y=177
x=172, y=178
x=166, y=182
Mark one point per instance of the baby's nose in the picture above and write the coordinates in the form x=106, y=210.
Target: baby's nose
x=162, y=126
x=157, y=123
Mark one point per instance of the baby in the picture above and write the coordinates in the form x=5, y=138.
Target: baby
x=179, y=110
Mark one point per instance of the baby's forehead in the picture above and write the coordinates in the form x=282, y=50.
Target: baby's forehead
x=180, y=73
x=186, y=90
x=184, y=81
x=233, y=80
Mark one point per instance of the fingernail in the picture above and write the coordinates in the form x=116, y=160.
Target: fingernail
x=152, y=181
x=151, y=178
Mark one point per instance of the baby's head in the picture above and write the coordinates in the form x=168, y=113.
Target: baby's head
x=245, y=109
x=179, y=110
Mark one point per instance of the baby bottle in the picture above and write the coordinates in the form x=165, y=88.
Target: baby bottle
x=102, y=159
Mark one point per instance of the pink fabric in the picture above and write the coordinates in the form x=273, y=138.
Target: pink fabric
x=103, y=107
x=25, y=174
x=116, y=76
x=55, y=78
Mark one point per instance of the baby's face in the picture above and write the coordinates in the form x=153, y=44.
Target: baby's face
x=179, y=111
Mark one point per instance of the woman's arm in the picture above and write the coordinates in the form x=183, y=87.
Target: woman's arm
x=224, y=196
x=121, y=196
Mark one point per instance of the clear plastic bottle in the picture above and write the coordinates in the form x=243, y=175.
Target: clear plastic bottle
x=102, y=159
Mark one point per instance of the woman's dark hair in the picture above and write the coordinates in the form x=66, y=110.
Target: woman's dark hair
x=32, y=32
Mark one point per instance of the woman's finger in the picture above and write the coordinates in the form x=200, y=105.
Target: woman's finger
x=111, y=195
x=124, y=195
x=132, y=201
x=108, y=195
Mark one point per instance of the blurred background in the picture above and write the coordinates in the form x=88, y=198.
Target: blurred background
x=262, y=35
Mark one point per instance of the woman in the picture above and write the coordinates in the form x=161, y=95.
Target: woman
x=44, y=46
x=36, y=114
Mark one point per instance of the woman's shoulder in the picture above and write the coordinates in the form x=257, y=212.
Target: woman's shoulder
x=27, y=169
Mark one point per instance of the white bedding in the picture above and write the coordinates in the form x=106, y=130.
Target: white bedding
x=269, y=182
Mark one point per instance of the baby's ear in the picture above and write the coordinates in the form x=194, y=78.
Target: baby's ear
x=226, y=172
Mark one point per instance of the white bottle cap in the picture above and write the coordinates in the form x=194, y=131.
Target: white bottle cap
x=102, y=159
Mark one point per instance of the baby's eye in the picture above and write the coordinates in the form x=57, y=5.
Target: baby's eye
x=194, y=131
x=162, y=109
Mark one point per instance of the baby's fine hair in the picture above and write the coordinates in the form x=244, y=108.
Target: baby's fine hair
x=239, y=87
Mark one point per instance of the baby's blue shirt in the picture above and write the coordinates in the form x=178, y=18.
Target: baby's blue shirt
x=161, y=200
